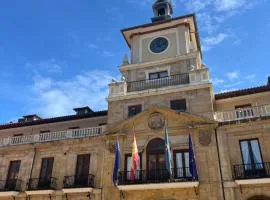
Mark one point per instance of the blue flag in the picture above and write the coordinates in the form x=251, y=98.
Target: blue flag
x=168, y=157
x=192, y=162
x=117, y=163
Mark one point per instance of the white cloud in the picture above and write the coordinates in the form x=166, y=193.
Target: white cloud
x=209, y=42
x=98, y=50
x=228, y=5
x=50, y=66
x=141, y=2
x=217, y=81
x=232, y=75
x=58, y=97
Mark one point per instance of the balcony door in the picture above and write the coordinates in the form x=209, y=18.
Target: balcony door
x=12, y=176
x=45, y=176
x=252, y=158
x=156, y=166
x=181, y=163
x=82, y=170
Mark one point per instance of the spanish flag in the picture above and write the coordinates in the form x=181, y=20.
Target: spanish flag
x=135, y=158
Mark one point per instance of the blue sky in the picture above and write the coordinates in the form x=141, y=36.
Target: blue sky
x=59, y=54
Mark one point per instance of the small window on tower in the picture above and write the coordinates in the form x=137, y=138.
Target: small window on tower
x=179, y=105
x=134, y=110
x=161, y=12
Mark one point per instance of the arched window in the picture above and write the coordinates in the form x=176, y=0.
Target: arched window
x=155, y=156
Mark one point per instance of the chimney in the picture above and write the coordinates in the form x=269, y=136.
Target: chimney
x=29, y=118
x=83, y=110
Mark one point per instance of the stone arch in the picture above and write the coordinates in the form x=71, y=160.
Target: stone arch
x=260, y=197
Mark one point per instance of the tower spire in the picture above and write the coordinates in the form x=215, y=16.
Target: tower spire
x=162, y=9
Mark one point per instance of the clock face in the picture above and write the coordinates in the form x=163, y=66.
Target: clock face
x=159, y=45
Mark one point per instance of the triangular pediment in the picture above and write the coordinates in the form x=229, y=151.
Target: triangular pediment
x=160, y=115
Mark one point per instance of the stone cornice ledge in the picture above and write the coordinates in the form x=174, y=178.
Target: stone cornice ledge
x=158, y=62
x=160, y=91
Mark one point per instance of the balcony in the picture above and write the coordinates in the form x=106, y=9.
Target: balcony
x=157, y=179
x=53, y=136
x=258, y=173
x=77, y=184
x=179, y=79
x=10, y=187
x=38, y=186
x=123, y=88
x=244, y=114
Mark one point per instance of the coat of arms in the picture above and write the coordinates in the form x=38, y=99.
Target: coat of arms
x=156, y=121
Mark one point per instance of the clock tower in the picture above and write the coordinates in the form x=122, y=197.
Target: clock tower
x=165, y=67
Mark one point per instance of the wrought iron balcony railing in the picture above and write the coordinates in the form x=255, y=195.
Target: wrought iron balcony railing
x=81, y=181
x=42, y=184
x=10, y=185
x=247, y=113
x=252, y=171
x=158, y=83
x=53, y=136
x=156, y=176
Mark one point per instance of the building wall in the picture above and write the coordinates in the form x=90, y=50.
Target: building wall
x=258, y=99
x=118, y=110
x=179, y=42
x=65, y=158
x=52, y=127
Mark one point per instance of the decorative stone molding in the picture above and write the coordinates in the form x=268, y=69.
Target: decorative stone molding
x=156, y=121
x=205, y=139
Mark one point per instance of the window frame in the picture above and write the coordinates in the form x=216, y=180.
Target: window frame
x=177, y=110
x=158, y=73
x=41, y=178
x=134, y=105
x=125, y=167
x=250, y=150
x=182, y=151
x=10, y=171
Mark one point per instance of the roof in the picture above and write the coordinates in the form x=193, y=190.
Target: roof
x=243, y=92
x=163, y=22
x=54, y=120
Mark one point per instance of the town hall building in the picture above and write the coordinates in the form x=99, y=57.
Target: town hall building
x=164, y=85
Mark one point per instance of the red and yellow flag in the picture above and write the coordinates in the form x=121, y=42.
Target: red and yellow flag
x=135, y=158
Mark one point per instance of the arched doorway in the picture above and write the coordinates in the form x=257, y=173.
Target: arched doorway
x=261, y=197
x=156, y=166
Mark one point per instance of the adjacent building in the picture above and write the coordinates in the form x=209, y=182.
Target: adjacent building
x=164, y=84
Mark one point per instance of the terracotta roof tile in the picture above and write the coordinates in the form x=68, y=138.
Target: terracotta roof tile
x=54, y=120
x=243, y=92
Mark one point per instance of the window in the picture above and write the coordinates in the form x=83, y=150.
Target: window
x=181, y=164
x=161, y=12
x=13, y=172
x=82, y=169
x=179, y=105
x=157, y=75
x=251, y=154
x=46, y=172
x=244, y=111
x=156, y=164
x=128, y=163
x=73, y=128
x=47, y=131
x=18, y=135
x=134, y=110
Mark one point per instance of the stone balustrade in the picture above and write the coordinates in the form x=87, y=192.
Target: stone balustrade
x=52, y=136
x=247, y=113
